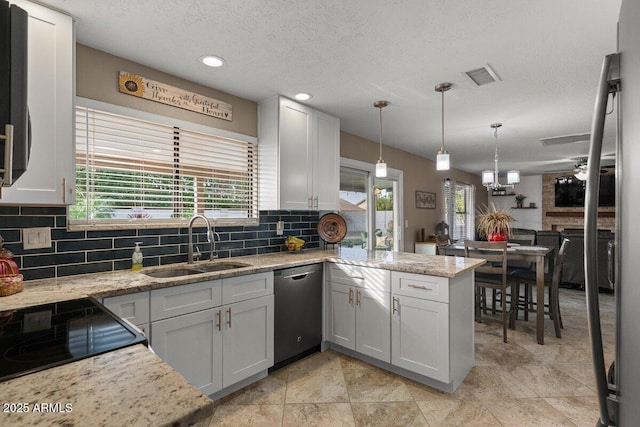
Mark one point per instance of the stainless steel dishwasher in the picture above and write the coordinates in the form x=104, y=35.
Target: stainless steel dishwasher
x=298, y=313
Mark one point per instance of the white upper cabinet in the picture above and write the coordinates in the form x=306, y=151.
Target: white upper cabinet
x=299, y=156
x=50, y=177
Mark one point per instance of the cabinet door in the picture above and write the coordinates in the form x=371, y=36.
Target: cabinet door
x=295, y=156
x=373, y=324
x=326, y=161
x=420, y=336
x=50, y=177
x=247, y=339
x=192, y=345
x=132, y=307
x=342, y=316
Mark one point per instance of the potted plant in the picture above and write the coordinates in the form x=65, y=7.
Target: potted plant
x=493, y=223
x=519, y=199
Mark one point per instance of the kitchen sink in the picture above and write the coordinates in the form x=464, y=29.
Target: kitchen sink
x=220, y=266
x=196, y=269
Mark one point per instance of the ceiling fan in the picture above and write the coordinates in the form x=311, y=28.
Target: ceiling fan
x=580, y=166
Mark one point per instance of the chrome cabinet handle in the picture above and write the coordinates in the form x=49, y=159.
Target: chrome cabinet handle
x=420, y=287
x=393, y=304
x=350, y=296
x=310, y=203
x=358, y=293
x=219, y=316
x=229, y=317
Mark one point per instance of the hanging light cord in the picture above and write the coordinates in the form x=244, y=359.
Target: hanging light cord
x=380, y=110
x=495, y=173
x=442, y=147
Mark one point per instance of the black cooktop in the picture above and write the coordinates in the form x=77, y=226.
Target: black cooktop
x=48, y=335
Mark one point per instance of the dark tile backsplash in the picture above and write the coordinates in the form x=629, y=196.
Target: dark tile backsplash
x=78, y=252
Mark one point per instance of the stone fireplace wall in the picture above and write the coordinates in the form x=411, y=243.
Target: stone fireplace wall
x=554, y=218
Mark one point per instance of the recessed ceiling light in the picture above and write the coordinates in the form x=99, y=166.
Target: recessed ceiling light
x=212, y=61
x=302, y=96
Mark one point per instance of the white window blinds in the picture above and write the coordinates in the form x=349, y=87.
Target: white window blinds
x=129, y=169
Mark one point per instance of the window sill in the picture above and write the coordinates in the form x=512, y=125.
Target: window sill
x=136, y=225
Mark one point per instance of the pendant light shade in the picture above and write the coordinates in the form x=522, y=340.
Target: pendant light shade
x=490, y=178
x=381, y=166
x=442, y=158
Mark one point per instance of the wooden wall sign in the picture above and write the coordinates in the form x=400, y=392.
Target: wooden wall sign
x=133, y=84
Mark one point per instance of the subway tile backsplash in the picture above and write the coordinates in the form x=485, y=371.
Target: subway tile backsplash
x=78, y=252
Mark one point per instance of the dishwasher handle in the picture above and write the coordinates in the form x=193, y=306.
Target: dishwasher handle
x=298, y=276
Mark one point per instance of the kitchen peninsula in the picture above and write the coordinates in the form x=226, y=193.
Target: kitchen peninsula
x=133, y=384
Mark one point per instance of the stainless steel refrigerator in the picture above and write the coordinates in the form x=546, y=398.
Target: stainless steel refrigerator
x=619, y=88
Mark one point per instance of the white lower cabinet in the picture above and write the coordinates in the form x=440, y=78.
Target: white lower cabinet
x=218, y=347
x=212, y=345
x=359, y=310
x=420, y=336
x=192, y=345
x=247, y=339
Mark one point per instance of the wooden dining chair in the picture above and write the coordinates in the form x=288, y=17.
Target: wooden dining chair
x=492, y=275
x=552, y=281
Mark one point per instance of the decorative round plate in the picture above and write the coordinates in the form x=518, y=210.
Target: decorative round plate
x=332, y=228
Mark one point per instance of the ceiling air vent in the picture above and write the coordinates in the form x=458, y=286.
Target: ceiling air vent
x=567, y=139
x=483, y=76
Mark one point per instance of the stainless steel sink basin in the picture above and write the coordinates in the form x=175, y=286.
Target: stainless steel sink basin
x=196, y=269
x=220, y=266
x=173, y=272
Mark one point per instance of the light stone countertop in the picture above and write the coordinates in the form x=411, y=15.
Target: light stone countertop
x=126, y=387
x=131, y=386
x=120, y=282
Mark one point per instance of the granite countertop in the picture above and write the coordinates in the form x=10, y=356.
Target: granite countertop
x=120, y=282
x=132, y=386
x=126, y=387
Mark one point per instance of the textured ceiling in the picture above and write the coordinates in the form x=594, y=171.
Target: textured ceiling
x=548, y=54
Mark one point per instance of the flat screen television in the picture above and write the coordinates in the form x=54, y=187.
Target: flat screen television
x=570, y=191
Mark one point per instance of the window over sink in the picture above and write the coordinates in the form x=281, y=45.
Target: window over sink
x=140, y=169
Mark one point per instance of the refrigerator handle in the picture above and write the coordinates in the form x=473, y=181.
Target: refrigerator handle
x=606, y=85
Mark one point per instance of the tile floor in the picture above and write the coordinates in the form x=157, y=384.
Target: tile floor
x=516, y=384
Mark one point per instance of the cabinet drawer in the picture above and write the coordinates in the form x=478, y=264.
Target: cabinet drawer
x=235, y=289
x=132, y=307
x=177, y=300
x=364, y=277
x=420, y=286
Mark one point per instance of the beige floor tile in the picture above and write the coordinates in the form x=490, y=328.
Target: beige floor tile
x=552, y=353
x=583, y=372
x=316, y=386
x=375, y=385
x=456, y=413
x=582, y=411
x=328, y=359
x=501, y=354
x=494, y=383
x=268, y=391
x=527, y=413
x=247, y=415
x=377, y=414
x=318, y=414
x=549, y=381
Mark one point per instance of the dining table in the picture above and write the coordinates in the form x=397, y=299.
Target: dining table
x=515, y=252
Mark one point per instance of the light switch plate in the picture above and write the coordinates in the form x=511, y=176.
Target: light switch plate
x=36, y=238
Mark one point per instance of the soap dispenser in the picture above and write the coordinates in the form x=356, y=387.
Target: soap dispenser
x=136, y=258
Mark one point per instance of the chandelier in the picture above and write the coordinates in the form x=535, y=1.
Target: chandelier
x=490, y=177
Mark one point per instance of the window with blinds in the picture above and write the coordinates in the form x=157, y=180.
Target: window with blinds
x=129, y=169
x=459, y=210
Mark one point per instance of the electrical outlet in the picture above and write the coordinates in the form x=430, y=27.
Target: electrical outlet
x=279, y=228
x=37, y=321
x=36, y=238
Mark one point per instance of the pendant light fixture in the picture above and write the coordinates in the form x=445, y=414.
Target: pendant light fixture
x=490, y=178
x=442, y=158
x=381, y=166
